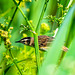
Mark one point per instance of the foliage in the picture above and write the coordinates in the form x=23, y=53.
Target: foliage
x=22, y=18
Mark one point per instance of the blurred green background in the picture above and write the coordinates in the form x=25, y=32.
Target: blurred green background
x=32, y=9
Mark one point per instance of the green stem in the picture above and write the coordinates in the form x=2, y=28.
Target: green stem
x=37, y=51
x=59, y=62
x=13, y=15
x=41, y=16
x=35, y=37
x=24, y=15
x=60, y=59
x=15, y=62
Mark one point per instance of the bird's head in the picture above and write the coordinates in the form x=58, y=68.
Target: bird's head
x=25, y=40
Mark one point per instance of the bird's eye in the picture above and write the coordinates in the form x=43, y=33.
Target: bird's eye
x=25, y=41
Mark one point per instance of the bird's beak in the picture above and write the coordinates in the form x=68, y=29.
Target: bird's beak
x=17, y=41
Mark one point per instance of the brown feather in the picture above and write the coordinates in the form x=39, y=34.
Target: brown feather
x=42, y=40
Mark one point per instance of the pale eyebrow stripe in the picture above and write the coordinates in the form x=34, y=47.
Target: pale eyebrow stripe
x=25, y=39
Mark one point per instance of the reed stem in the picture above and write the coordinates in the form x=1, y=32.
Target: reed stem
x=15, y=62
x=35, y=37
x=41, y=16
x=13, y=14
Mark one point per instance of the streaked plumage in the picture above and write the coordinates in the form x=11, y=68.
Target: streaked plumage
x=43, y=41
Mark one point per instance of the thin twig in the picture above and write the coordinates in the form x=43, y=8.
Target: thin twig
x=60, y=59
x=24, y=15
x=14, y=14
x=15, y=62
x=59, y=62
x=35, y=37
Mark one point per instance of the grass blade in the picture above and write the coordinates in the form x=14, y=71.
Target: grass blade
x=52, y=58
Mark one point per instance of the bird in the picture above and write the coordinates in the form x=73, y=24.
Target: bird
x=43, y=41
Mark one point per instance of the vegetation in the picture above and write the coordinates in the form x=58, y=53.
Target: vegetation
x=31, y=18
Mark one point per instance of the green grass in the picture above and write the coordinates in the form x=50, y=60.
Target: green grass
x=24, y=60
